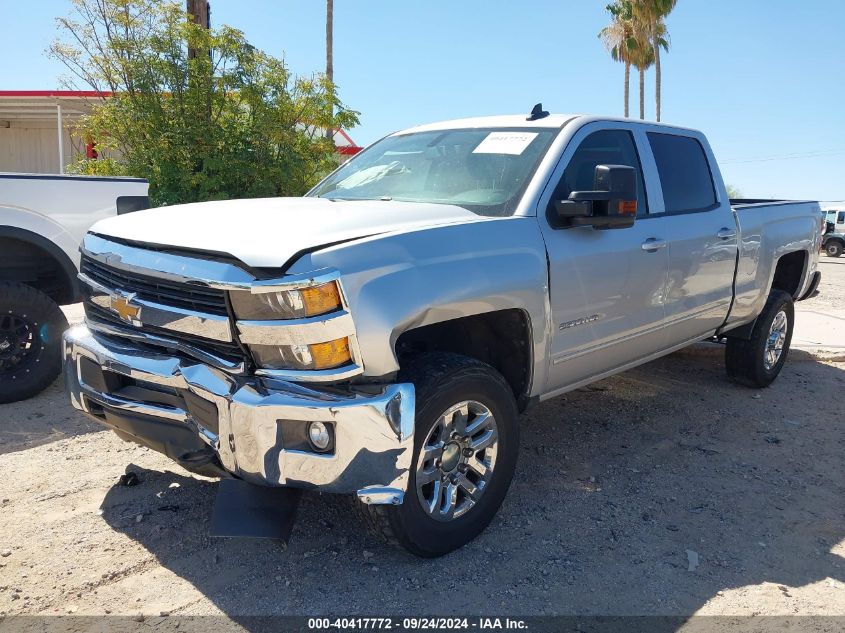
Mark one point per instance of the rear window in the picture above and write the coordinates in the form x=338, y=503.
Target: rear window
x=684, y=173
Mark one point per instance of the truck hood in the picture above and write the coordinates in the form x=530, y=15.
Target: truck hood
x=268, y=232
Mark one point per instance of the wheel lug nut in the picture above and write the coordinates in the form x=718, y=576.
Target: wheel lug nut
x=463, y=468
x=467, y=452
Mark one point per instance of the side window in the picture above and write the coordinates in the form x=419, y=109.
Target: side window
x=684, y=173
x=841, y=218
x=607, y=147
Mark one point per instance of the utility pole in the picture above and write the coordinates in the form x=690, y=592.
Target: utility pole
x=330, y=52
x=200, y=11
x=330, y=40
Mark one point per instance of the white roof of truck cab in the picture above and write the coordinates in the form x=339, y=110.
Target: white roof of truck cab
x=502, y=121
x=520, y=121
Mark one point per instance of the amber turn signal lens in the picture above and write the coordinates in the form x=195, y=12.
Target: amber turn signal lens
x=321, y=299
x=628, y=207
x=332, y=354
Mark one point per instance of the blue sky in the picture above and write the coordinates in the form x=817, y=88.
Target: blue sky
x=764, y=79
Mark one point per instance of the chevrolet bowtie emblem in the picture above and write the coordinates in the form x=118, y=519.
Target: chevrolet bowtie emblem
x=122, y=305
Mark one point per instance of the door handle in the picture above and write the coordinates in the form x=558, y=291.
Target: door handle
x=653, y=244
x=725, y=233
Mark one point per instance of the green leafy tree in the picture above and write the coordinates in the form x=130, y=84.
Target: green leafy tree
x=733, y=192
x=229, y=121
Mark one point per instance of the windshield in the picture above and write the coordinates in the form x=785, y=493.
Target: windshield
x=482, y=170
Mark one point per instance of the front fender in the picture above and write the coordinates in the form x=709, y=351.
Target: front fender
x=29, y=222
x=400, y=281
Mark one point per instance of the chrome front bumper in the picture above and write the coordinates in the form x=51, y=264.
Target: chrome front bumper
x=154, y=398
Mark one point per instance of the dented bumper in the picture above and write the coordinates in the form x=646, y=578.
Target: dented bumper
x=253, y=428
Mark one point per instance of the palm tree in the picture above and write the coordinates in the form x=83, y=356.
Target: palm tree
x=642, y=55
x=651, y=15
x=618, y=40
x=642, y=58
x=330, y=51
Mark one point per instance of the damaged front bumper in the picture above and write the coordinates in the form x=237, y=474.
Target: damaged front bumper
x=253, y=428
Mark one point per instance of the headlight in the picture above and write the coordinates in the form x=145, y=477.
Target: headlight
x=316, y=356
x=287, y=304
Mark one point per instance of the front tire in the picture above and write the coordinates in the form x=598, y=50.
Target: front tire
x=833, y=248
x=466, y=442
x=31, y=326
x=758, y=361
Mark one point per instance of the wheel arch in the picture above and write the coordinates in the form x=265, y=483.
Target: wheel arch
x=29, y=258
x=500, y=338
x=834, y=238
x=790, y=271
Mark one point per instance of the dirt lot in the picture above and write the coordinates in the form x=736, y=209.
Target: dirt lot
x=621, y=489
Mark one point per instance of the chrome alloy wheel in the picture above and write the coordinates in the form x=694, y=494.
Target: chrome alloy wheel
x=456, y=460
x=776, y=340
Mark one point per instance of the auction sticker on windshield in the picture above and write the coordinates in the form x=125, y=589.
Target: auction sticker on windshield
x=505, y=143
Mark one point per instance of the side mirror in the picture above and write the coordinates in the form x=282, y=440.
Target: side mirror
x=129, y=204
x=611, y=205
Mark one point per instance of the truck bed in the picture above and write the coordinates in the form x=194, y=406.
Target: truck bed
x=770, y=229
x=743, y=203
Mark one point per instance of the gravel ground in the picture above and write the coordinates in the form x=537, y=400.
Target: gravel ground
x=831, y=297
x=664, y=490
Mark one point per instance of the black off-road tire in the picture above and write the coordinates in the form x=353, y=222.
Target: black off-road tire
x=34, y=318
x=442, y=380
x=833, y=248
x=745, y=360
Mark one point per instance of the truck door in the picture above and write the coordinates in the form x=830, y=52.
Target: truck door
x=606, y=286
x=701, y=232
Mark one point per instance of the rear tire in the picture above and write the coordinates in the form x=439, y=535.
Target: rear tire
x=833, y=248
x=428, y=523
x=31, y=326
x=758, y=361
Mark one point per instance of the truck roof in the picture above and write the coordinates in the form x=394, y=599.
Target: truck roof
x=503, y=121
x=520, y=121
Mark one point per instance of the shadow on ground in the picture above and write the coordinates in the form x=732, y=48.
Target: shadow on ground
x=619, y=486
x=42, y=419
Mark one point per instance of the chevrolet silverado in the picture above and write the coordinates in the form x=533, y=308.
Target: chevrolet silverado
x=379, y=336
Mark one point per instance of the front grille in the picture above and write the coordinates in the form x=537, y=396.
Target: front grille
x=170, y=293
x=165, y=293
x=231, y=352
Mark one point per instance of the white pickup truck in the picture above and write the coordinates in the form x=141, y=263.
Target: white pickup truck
x=833, y=241
x=380, y=335
x=42, y=221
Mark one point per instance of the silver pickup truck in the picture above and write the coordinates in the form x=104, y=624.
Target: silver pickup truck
x=380, y=336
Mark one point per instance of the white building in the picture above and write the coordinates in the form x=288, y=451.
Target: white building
x=37, y=130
